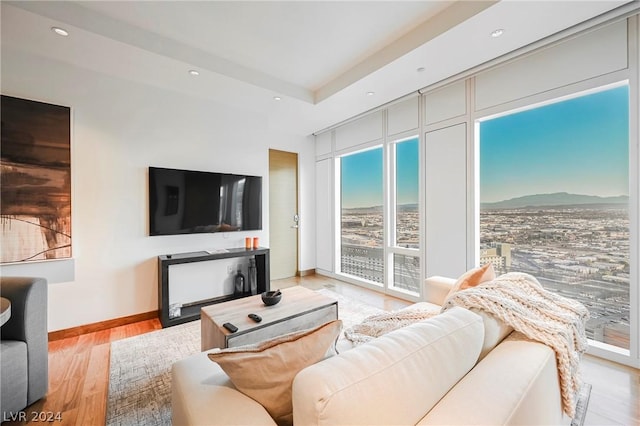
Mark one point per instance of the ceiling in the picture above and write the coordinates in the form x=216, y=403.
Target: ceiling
x=326, y=60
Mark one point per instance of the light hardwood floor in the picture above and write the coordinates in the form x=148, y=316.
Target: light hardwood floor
x=79, y=369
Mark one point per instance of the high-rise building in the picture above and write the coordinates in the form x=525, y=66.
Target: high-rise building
x=499, y=254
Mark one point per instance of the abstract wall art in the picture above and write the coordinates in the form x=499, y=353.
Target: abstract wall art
x=35, y=181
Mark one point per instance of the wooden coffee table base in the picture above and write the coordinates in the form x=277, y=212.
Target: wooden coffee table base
x=299, y=309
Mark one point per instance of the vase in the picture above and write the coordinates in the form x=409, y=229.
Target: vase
x=239, y=284
x=253, y=277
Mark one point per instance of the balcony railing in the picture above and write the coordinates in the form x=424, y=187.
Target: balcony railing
x=367, y=263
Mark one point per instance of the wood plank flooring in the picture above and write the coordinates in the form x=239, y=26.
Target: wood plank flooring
x=615, y=393
x=79, y=377
x=79, y=369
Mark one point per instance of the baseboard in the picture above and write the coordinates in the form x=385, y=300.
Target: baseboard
x=306, y=273
x=100, y=326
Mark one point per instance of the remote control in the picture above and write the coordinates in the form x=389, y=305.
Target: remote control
x=232, y=328
x=255, y=317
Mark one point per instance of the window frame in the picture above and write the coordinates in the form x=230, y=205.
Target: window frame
x=388, y=146
x=338, y=216
x=392, y=248
x=606, y=351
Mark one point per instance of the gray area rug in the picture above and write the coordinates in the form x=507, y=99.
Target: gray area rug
x=140, y=374
x=140, y=366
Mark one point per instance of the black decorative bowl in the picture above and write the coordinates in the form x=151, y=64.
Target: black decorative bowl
x=270, y=298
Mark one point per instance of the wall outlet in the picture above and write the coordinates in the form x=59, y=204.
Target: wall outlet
x=230, y=269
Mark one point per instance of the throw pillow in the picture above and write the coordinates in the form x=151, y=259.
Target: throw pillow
x=473, y=277
x=265, y=371
x=494, y=329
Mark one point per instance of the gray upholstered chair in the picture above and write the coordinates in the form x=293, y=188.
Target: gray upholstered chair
x=24, y=361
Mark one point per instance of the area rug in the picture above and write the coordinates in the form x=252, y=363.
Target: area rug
x=140, y=366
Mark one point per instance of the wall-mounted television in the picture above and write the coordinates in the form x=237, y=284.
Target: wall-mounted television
x=187, y=201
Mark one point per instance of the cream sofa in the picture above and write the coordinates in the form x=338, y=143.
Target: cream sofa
x=428, y=373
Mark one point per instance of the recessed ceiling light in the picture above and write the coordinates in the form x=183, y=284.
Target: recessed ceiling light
x=60, y=31
x=277, y=98
x=421, y=69
x=371, y=93
x=497, y=33
x=194, y=72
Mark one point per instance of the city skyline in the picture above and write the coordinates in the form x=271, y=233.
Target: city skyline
x=579, y=252
x=579, y=145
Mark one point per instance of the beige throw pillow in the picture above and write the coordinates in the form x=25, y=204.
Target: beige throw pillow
x=265, y=371
x=474, y=277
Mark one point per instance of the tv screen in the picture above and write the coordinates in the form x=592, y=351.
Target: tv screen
x=186, y=202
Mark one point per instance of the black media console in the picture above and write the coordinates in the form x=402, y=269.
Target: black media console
x=191, y=311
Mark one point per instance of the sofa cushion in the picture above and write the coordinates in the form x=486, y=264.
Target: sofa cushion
x=394, y=379
x=13, y=370
x=202, y=394
x=265, y=371
x=494, y=329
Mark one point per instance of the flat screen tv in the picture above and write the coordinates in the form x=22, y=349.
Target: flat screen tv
x=186, y=202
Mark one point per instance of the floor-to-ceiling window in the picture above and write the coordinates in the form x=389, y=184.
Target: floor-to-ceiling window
x=554, y=202
x=405, y=218
x=361, y=215
x=380, y=215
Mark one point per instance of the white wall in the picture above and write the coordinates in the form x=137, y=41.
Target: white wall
x=119, y=128
x=446, y=201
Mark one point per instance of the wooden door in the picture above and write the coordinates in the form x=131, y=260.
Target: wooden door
x=283, y=213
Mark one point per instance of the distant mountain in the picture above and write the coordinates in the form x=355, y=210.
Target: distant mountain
x=407, y=207
x=378, y=209
x=555, y=199
x=364, y=210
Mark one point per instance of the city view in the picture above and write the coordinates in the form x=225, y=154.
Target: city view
x=580, y=252
x=362, y=252
x=554, y=186
x=577, y=251
x=362, y=226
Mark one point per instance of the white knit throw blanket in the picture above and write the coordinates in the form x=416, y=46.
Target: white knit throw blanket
x=520, y=301
x=376, y=325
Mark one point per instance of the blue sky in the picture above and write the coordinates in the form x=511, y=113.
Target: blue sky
x=362, y=179
x=362, y=176
x=580, y=146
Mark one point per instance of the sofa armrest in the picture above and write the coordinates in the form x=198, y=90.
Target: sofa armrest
x=437, y=288
x=28, y=323
x=516, y=383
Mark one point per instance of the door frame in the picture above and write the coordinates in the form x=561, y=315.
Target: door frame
x=297, y=201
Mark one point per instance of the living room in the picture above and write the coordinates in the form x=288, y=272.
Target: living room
x=140, y=107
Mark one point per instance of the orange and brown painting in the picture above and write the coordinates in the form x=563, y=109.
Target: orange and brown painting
x=35, y=181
